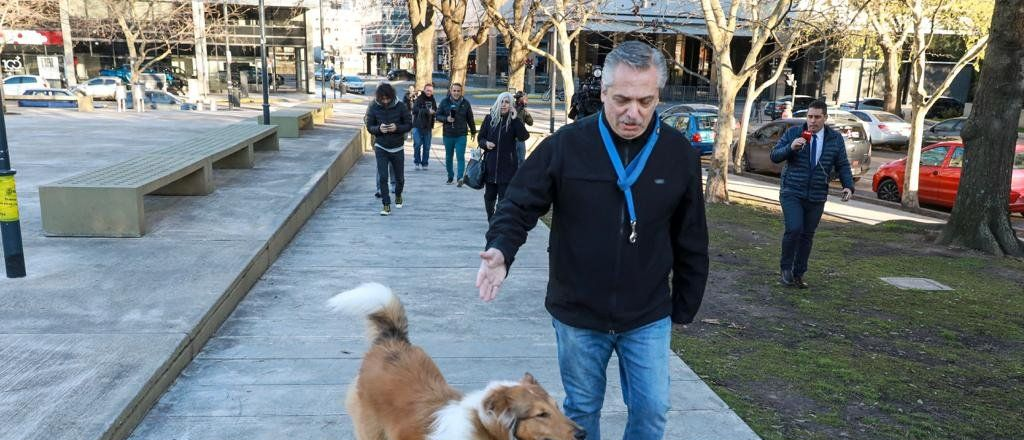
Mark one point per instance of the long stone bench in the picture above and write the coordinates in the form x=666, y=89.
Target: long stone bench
x=290, y=120
x=108, y=202
x=321, y=111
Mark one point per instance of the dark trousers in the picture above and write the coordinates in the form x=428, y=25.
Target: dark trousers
x=493, y=192
x=801, y=217
x=395, y=161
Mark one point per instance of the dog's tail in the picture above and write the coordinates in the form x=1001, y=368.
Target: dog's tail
x=385, y=314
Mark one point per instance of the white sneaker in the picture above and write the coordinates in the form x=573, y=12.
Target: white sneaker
x=398, y=201
x=386, y=210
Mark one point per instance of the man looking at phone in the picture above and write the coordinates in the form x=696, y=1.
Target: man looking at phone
x=812, y=152
x=388, y=121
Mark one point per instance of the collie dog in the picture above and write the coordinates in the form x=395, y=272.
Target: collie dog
x=400, y=394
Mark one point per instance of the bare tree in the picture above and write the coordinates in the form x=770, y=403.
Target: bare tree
x=892, y=32
x=924, y=19
x=454, y=23
x=764, y=21
x=980, y=219
x=150, y=29
x=24, y=14
x=523, y=20
x=421, y=17
x=559, y=15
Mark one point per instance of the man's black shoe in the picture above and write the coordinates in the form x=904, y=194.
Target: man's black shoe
x=377, y=194
x=787, y=278
x=799, y=282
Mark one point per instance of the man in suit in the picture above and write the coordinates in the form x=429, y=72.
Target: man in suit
x=810, y=160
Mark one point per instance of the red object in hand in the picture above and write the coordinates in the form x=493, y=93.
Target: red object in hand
x=806, y=135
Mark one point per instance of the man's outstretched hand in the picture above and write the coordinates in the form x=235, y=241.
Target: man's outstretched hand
x=491, y=274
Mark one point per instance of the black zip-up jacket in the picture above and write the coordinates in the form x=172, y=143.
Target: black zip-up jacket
x=502, y=161
x=421, y=107
x=396, y=113
x=463, y=114
x=597, y=279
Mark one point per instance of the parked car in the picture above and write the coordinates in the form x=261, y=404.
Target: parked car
x=948, y=130
x=774, y=109
x=155, y=77
x=101, y=87
x=161, y=100
x=865, y=104
x=939, y=180
x=318, y=74
x=16, y=84
x=884, y=128
x=349, y=84
x=401, y=75
x=944, y=108
x=47, y=92
x=757, y=156
x=440, y=80
x=697, y=122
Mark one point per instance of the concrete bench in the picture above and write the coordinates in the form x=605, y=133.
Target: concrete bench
x=290, y=120
x=108, y=202
x=80, y=102
x=321, y=111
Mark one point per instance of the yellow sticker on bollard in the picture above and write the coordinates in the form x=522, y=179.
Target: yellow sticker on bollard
x=8, y=200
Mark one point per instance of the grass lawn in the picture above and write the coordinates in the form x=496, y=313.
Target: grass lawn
x=853, y=357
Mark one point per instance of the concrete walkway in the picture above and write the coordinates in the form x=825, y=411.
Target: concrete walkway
x=280, y=365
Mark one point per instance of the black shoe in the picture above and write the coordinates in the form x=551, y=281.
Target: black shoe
x=377, y=194
x=460, y=183
x=798, y=281
x=450, y=180
x=787, y=278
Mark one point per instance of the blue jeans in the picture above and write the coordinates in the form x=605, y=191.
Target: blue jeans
x=521, y=151
x=421, y=145
x=455, y=146
x=643, y=372
x=801, y=217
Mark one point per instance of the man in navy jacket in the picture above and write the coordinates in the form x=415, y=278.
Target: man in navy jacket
x=809, y=167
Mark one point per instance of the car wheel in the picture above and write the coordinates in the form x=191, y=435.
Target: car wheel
x=889, y=191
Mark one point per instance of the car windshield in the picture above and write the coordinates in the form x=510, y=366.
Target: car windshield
x=706, y=122
x=888, y=117
x=1018, y=161
x=351, y=78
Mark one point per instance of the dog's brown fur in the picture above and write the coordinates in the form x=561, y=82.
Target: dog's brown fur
x=399, y=392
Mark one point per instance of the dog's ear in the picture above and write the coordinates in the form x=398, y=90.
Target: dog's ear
x=528, y=379
x=498, y=401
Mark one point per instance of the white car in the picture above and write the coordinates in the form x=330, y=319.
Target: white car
x=18, y=84
x=99, y=87
x=884, y=128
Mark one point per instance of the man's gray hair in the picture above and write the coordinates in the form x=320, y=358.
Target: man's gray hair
x=635, y=54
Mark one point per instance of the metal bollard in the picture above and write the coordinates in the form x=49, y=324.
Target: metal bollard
x=213, y=104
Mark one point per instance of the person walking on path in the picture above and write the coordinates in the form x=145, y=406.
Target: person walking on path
x=457, y=115
x=388, y=121
x=812, y=153
x=499, y=133
x=410, y=96
x=524, y=115
x=628, y=211
x=423, y=110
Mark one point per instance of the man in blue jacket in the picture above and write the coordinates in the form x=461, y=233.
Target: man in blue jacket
x=809, y=167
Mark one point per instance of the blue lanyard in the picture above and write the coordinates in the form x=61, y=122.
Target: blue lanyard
x=628, y=176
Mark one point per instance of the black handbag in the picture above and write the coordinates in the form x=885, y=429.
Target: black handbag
x=475, y=170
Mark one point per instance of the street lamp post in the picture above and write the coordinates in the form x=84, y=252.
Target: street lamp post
x=10, y=225
x=860, y=76
x=263, y=60
x=323, y=57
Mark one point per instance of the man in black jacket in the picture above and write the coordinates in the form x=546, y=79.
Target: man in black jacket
x=456, y=114
x=423, y=110
x=628, y=211
x=388, y=121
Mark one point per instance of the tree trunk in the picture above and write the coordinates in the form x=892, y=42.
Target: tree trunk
x=912, y=171
x=459, y=49
x=741, y=141
x=718, y=173
x=980, y=218
x=565, y=58
x=421, y=16
x=891, y=78
x=517, y=53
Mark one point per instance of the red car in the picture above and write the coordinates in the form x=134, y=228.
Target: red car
x=940, y=176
